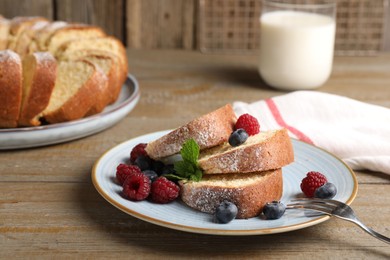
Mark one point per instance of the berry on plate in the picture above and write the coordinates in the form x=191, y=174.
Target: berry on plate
x=238, y=137
x=225, y=212
x=164, y=190
x=311, y=182
x=137, y=187
x=138, y=150
x=248, y=123
x=143, y=162
x=152, y=175
x=123, y=171
x=274, y=210
x=158, y=166
x=326, y=191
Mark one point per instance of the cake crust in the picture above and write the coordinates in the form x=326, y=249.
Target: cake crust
x=274, y=150
x=249, y=192
x=208, y=130
x=37, y=94
x=10, y=88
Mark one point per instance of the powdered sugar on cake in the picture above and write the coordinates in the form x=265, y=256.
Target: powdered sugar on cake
x=9, y=56
x=208, y=131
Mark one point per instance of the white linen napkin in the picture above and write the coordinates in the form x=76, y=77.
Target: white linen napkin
x=356, y=132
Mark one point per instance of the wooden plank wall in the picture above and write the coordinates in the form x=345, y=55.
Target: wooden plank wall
x=386, y=40
x=166, y=24
x=108, y=14
x=11, y=8
x=160, y=24
x=138, y=23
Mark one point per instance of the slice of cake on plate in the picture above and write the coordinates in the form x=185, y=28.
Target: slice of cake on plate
x=76, y=83
x=10, y=88
x=39, y=75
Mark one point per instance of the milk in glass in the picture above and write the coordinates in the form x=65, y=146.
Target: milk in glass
x=296, y=50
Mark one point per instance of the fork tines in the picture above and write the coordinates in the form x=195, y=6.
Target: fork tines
x=334, y=208
x=322, y=205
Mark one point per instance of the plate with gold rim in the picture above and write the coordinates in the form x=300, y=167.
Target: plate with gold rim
x=27, y=137
x=176, y=215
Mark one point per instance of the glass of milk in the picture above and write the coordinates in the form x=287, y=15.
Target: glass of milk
x=296, y=45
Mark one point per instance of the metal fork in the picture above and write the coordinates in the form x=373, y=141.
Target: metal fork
x=334, y=208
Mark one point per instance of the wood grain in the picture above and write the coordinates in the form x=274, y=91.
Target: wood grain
x=160, y=24
x=107, y=14
x=50, y=209
x=147, y=24
x=12, y=8
x=386, y=27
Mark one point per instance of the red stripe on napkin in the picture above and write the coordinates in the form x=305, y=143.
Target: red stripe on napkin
x=279, y=119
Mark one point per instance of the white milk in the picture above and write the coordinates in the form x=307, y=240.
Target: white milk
x=296, y=50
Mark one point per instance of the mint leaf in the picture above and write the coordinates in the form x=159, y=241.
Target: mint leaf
x=188, y=168
x=183, y=169
x=173, y=177
x=197, y=176
x=190, y=151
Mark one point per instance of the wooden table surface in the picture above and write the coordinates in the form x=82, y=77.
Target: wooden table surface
x=49, y=207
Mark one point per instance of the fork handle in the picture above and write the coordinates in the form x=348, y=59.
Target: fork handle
x=370, y=231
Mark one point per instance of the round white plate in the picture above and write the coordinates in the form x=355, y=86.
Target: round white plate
x=177, y=215
x=27, y=137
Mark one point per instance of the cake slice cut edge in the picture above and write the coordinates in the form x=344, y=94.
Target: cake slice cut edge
x=108, y=62
x=76, y=83
x=106, y=44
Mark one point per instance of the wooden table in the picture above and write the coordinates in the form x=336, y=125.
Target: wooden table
x=50, y=209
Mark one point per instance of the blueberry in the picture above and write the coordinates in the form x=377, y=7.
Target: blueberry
x=158, y=166
x=143, y=162
x=168, y=169
x=274, y=210
x=238, y=137
x=326, y=191
x=226, y=212
x=152, y=175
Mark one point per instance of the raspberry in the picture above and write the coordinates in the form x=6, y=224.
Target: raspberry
x=248, y=123
x=311, y=182
x=164, y=190
x=136, y=187
x=123, y=171
x=137, y=151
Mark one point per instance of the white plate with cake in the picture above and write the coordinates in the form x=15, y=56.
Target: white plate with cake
x=26, y=137
x=228, y=173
